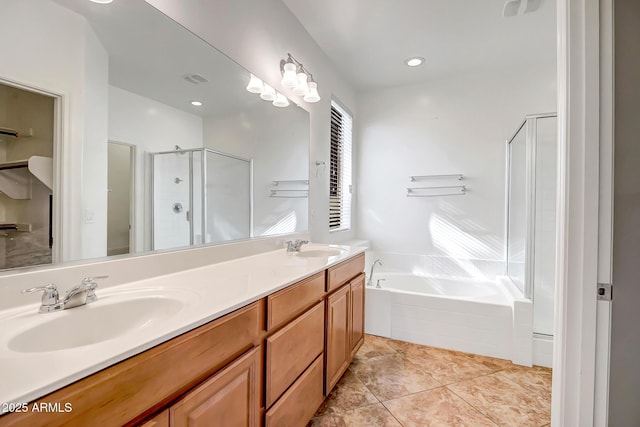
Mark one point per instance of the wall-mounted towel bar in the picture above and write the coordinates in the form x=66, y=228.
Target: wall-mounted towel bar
x=290, y=194
x=452, y=190
x=414, y=178
x=292, y=181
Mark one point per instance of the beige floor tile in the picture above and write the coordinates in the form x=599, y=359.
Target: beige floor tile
x=374, y=346
x=436, y=408
x=348, y=394
x=375, y=415
x=503, y=401
x=536, y=380
x=446, y=366
x=392, y=376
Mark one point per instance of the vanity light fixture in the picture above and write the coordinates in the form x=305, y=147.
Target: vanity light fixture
x=197, y=103
x=255, y=85
x=298, y=78
x=102, y=1
x=280, y=101
x=267, y=92
x=414, y=61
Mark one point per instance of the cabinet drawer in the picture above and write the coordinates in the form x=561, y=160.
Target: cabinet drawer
x=290, y=350
x=229, y=398
x=340, y=274
x=300, y=402
x=289, y=302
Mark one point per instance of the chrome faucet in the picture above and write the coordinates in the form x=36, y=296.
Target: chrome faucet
x=50, y=301
x=370, y=281
x=81, y=294
x=295, y=246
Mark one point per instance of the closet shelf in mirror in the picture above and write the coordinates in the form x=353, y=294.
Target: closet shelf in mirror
x=14, y=133
x=15, y=176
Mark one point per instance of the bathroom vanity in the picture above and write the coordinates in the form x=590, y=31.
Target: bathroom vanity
x=269, y=362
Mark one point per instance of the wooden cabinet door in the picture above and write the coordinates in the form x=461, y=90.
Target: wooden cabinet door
x=160, y=420
x=231, y=398
x=337, y=348
x=357, y=314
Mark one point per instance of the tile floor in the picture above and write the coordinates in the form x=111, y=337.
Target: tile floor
x=394, y=383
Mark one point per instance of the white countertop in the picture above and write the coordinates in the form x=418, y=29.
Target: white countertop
x=204, y=294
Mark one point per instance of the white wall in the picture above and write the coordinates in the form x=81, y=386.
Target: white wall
x=455, y=125
x=274, y=140
x=152, y=127
x=44, y=63
x=257, y=35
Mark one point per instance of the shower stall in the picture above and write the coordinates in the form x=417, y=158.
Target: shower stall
x=531, y=215
x=199, y=196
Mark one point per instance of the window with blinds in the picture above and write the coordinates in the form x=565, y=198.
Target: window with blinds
x=340, y=169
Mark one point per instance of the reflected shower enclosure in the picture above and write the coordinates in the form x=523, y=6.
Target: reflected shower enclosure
x=199, y=196
x=531, y=214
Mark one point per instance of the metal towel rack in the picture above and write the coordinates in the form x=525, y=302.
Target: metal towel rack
x=418, y=191
x=295, y=189
x=436, y=191
x=414, y=178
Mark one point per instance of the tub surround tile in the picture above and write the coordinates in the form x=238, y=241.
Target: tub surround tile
x=373, y=415
x=350, y=393
x=437, y=407
x=503, y=401
x=392, y=376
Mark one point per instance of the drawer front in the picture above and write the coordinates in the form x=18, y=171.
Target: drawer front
x=230, y=398
x=286, y=304
x=291, y=350
x=132, y=390
x=300, y=402
x=340, y=274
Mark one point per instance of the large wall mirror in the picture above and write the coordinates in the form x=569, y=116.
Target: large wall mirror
x=122, y=132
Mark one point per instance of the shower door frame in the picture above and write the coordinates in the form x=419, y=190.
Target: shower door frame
x=190, y=151
x=531, y=141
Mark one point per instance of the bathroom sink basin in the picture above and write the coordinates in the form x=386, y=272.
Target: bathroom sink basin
x=93, y=323
x=312, y=253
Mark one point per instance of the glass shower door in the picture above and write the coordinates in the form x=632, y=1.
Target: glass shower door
x=227, y=197
x=171, y=200
x=517, y=209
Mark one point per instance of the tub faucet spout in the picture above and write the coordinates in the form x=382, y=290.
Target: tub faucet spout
x=370, y=281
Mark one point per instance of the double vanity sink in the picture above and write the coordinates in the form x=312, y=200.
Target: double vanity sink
x=43, y=352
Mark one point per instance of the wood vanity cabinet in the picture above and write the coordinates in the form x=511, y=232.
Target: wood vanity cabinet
x=269, y=363
x=231, y=398
x=338, y=351
x=344, y=318
x=356, y=309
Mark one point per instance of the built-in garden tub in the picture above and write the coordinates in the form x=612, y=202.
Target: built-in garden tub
x=475, y=316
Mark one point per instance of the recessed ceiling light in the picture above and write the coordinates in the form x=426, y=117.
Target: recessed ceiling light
x=102, y=1
x=197, y=103
x=414, y=61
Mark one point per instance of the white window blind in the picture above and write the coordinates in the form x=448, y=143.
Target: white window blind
x=340, y=169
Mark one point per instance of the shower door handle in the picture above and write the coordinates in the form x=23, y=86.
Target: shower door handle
x=188, y=215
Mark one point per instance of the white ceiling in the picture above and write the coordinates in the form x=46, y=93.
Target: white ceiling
x=368, y=40
x=149, y=53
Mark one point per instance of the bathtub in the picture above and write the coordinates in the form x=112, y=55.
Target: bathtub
x=474, y=316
